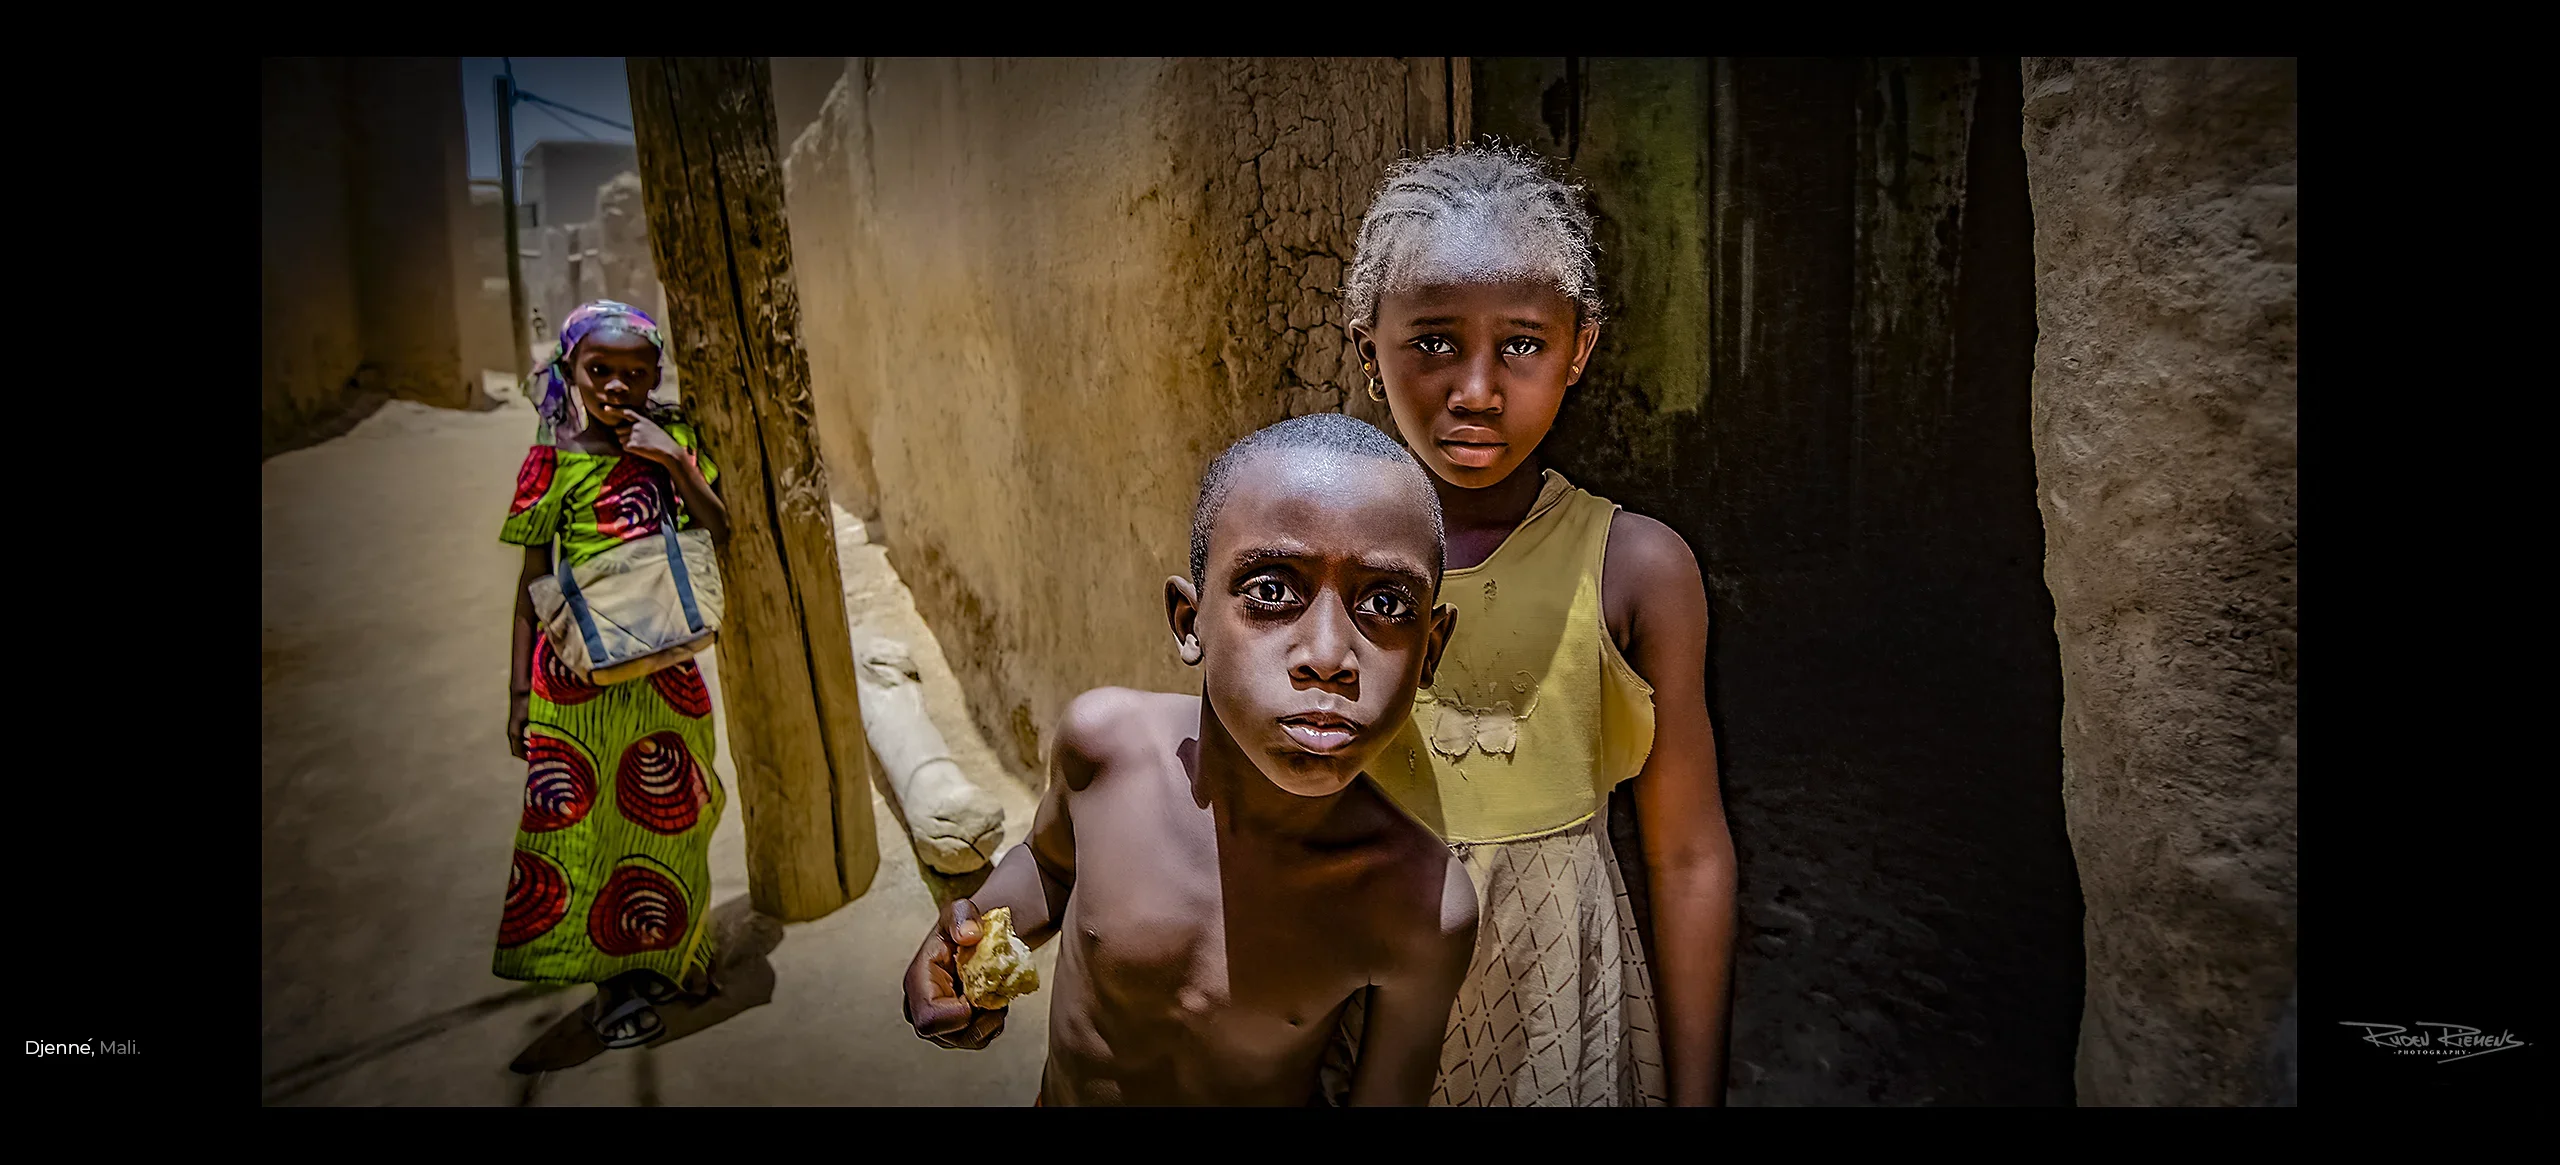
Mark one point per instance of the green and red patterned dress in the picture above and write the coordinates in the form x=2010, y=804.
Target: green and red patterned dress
x=612, y=865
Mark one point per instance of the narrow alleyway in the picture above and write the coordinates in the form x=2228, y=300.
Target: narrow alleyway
x=388, y=804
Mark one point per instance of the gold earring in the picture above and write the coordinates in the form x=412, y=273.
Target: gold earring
x=1377, y=392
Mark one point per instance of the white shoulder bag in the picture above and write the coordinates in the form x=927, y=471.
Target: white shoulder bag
x=643, y=606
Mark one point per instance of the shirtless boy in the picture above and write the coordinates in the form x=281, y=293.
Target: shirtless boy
x=1225, y=877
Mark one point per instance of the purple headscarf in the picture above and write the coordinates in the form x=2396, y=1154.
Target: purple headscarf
x=557, y=404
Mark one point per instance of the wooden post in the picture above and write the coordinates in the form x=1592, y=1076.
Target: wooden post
x=713, y=189
x=1462, y=100
x=1427, y=90
x=505, y=97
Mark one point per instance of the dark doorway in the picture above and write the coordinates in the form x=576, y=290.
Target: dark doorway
x=1821, y=276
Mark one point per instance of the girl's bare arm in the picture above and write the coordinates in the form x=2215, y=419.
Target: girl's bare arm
x=1689, y=862
x=537, y=563
x=700, y=499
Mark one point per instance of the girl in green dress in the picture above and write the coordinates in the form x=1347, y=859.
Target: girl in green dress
x=611, y=878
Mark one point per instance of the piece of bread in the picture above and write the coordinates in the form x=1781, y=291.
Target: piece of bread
x=998, y=969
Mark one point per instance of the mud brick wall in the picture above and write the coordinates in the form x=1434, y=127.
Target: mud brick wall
x=2164, y=195
x=1040, y=296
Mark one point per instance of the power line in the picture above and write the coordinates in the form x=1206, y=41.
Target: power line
x=574, y=127
x=507, y=65
x=521, y=95
x=516, y=95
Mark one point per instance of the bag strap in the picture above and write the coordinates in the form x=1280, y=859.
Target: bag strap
x=577, y=601
x=675, y=563
x=568, y=578
x=675, y=549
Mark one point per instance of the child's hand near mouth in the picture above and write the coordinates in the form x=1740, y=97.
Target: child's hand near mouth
x=641, y=437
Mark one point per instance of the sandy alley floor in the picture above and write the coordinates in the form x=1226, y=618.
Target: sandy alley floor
x=388, y=804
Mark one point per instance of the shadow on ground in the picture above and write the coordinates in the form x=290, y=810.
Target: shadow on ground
x=300, y=1078
x=743, y=972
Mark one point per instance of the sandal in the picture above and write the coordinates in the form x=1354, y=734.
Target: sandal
x=663, y=992
x=656, y=990
x=637, y=1022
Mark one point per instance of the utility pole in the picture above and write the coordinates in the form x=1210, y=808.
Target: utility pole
x=505, y=90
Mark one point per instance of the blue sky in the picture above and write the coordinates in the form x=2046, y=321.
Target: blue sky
x=594, y=84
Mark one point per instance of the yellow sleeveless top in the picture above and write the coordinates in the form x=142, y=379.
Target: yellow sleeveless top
x=1533, y=716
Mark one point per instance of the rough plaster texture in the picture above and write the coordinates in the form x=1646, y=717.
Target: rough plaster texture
x=800, y=88
x=408, y=209
x=310, y=335
x=1040, y=296
x=2164, y=438
x=1817, y=373
x=487, y=342
x=364, y=241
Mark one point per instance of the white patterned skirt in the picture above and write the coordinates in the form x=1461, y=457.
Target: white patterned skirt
x=1557, y=1009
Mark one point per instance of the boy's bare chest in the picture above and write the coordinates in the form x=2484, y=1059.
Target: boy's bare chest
x=1172, y=925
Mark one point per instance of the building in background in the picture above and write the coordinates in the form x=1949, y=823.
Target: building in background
x=558, y=183
x=593, y=241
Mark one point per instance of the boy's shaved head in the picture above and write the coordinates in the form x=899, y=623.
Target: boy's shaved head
x=1311, y=610
x=1314, y=435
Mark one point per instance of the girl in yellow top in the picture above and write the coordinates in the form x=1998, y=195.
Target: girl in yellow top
x=1578, y=662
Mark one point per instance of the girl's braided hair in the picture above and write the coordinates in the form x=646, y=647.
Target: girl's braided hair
x=1472, y=213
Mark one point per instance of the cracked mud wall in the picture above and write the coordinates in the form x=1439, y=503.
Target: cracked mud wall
x=2164, y=195
x=1040, y=295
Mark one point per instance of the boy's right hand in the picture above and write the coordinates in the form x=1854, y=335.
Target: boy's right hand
x=934, y=1002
